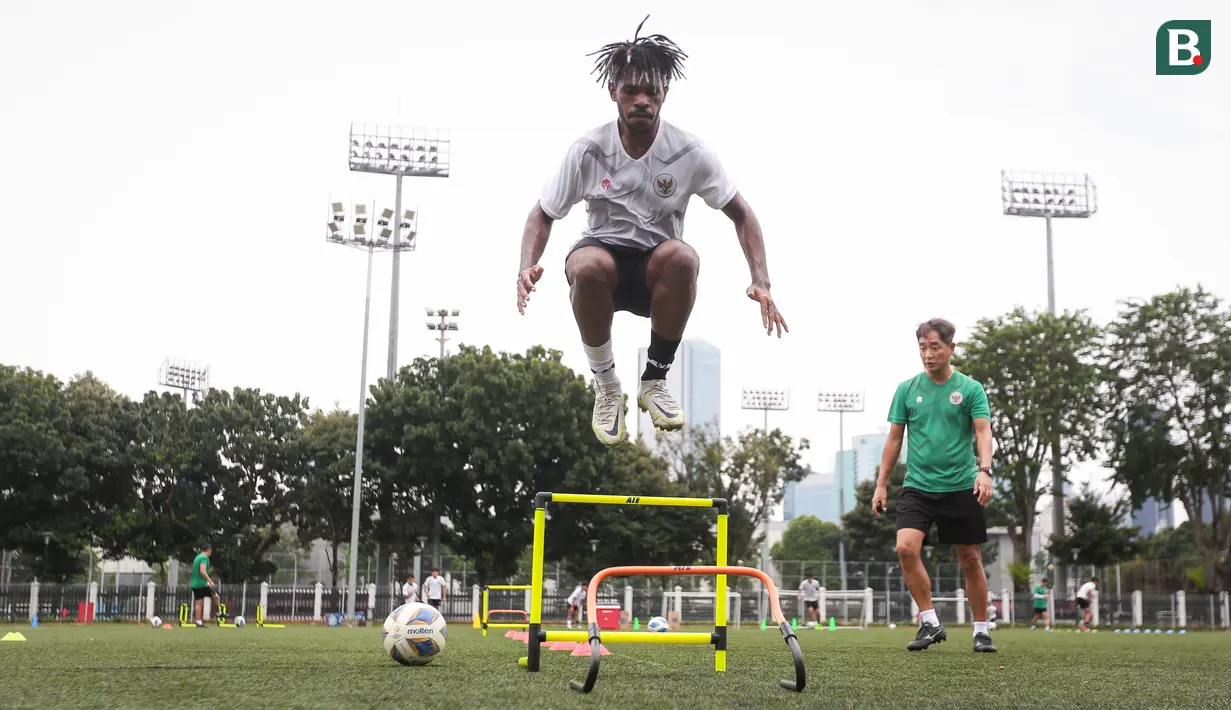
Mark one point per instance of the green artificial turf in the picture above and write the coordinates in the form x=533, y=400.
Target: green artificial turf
x=105, y=665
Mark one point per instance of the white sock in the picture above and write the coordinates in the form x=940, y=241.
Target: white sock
x=929, y=617
x=602, y=364
x=980, y=627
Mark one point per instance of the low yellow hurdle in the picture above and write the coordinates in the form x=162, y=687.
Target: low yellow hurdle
x=533, y=659
x=483, y=620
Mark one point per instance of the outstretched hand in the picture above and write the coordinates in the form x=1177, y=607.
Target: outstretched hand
x=525, y=284
x=770, y=317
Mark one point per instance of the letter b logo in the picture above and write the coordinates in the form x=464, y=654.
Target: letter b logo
x=1182, y=47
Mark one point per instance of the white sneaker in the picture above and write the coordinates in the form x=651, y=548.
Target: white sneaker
x=664, y=411
x=608, y=420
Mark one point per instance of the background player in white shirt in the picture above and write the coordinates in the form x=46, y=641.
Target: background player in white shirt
x=1084, y=594
x=434, y=589
x=410, y=590
x=636, y=175
x=574, y=605
x=810, y=592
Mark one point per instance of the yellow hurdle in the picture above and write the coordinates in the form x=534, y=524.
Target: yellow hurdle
x=260, y=619
x=485, y=624
x=533, y=659
x=677, y=637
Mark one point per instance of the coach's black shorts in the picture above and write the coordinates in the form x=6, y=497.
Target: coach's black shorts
x=1082, y=603
x=202, y=592
x=435, y=602
x=812, y=605
x=632, y=292
x=958, y=516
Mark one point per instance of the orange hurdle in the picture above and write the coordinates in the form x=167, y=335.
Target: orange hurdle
x=717, y=639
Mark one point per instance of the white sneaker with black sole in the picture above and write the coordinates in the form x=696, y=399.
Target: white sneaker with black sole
x=654, y=399
x=608, y=419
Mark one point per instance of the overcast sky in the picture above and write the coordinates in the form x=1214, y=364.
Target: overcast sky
x=165, y=169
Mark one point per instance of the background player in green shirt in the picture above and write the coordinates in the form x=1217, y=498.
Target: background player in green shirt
x=943, y=413
x=201, y=583
x=1040, y=604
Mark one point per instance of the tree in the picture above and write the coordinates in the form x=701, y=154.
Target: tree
x=64, y=465
x=1044, y=384
x=871, y=537
x=749, y=471
x=807, y=539
x=1094, y=529
x=225, y=471
x=323, y=503
x=1169, y=436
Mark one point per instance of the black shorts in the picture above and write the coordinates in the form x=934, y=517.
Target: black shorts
x=434, y=602
x=202, y=592
x=632, y=292
x=1038, y=611
x=958, y=516
x=812, y=605
x=1082, y=603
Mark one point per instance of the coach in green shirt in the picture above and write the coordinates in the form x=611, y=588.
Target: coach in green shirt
x=943, y=414
x=201, y=583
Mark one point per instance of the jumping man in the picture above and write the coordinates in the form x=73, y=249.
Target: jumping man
x=636, y=175
x=943, y=411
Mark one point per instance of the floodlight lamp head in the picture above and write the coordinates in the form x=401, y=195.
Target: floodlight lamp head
x=762, y=398
x=1019, y=191
x=839, y=401
x=339, y=211
x=361, y=214
x=386, y=215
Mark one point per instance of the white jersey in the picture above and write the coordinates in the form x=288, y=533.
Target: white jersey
x=434, y=587
x=1086, y=590
x=811, y=590
x=576, y=597
x=410, y=592
x=636, y=203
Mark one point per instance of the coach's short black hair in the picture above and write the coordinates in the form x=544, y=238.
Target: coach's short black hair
x=653, y=58
x=941, y=327
x=206, y=547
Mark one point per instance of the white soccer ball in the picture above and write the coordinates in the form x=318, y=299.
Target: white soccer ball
x=991, y=626
x=239, y=621
x=657, y=624
x=414, y=634
x=155, y=621
x=892, y=627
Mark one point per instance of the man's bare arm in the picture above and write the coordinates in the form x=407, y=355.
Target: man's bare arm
x=748, y=230
x=534, y=237
x=983, y=437
x=893, y=449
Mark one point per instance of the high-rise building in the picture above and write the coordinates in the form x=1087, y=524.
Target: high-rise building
x=1154, y=516
x=868, y=448
x=695, y=379
x=814, y=495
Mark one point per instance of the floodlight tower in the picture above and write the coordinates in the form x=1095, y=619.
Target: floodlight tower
x=840, y=402
x=1050, y=196
x=354, y=231
x=398, y=151
x=765, y=400
x=445, y=325
x=184, y=375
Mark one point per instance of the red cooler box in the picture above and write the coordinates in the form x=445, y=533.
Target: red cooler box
x=608, y=617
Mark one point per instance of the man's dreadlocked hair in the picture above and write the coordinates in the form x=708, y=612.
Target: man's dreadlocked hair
x=653, y=58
